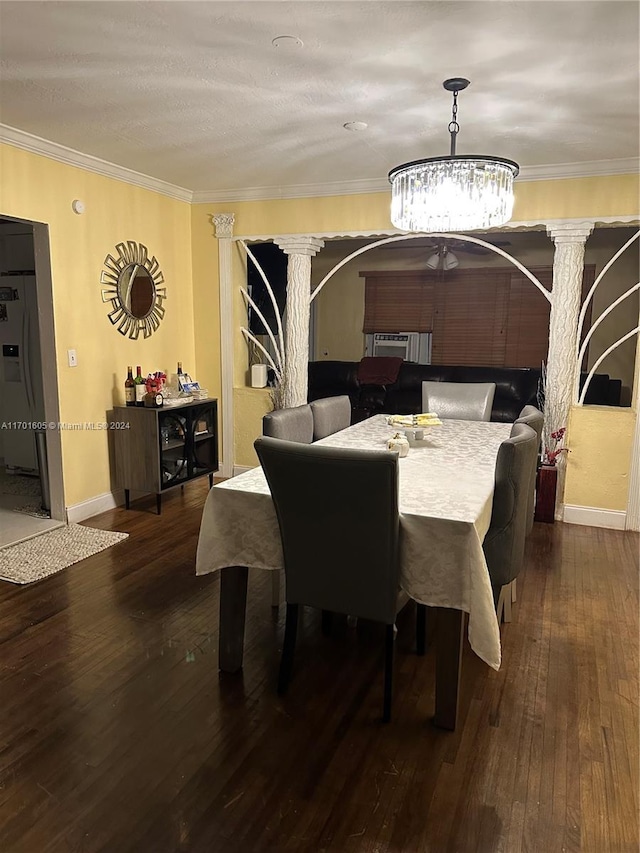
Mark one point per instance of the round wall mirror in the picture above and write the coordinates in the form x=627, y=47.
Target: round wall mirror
x=133, y=288
x=136, y=291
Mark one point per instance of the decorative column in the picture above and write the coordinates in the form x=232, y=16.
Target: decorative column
x=295, y=380
x=566, y=297
x=223, y=223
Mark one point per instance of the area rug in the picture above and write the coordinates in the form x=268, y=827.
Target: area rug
x=50, y=552
x=33, y=508
x=19, y=484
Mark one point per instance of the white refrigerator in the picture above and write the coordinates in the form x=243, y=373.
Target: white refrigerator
x=21, y=391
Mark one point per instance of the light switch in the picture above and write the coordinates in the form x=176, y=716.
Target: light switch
x=72, y=358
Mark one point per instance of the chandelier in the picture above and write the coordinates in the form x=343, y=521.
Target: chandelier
x=454, y=192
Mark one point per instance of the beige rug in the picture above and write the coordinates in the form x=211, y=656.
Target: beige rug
x=50, y=552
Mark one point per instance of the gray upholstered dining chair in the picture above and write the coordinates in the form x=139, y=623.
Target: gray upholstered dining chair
x=294, y=424
x=341, y=548
x=535, y=419
x=465, y=401
x=330, y=414
x=503, y=545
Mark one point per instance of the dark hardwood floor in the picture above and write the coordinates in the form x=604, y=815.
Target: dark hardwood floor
x=117, y=733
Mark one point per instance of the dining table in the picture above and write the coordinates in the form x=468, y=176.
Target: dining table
x=445, y=499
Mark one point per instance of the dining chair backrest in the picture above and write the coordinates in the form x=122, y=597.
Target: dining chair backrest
x=504, y=543
x=330, y=414
x=294, y=424
x=535, y=419
x=466, y=401
x=337, y=509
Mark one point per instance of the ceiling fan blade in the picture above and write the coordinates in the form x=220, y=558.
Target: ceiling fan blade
x=411, y=244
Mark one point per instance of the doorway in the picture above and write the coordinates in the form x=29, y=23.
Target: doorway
x=31, y=487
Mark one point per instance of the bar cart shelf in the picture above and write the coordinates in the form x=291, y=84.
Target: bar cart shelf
x=157, y=449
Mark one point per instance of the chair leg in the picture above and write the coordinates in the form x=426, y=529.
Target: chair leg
x=421, y=628
x=503, y=607
x=275, y=588
x=500, y=605
x=388, y=672
x=513, y=591
x=288, y=648
x=507, y=603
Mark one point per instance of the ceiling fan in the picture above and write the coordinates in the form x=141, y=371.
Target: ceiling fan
x=428, y=244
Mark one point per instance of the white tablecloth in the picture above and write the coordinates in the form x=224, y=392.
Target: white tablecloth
x=446, y=493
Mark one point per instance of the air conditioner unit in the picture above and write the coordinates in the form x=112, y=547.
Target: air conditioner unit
x=410, y=346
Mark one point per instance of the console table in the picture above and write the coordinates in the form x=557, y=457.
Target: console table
x=158, y=449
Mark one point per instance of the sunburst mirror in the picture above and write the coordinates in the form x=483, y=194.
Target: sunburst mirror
x=133, y=288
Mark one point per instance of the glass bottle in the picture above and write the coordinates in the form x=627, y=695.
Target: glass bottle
x=129, y=388
x=140, y=387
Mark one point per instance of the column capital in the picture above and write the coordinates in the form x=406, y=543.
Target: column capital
x=223, y=223
x=300, y=245
x=570, y=232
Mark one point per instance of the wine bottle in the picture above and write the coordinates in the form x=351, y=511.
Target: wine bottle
x=140, y=387
x=129, y=388
x=179, y=368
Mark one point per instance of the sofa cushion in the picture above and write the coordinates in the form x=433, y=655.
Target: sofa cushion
x=332, y=379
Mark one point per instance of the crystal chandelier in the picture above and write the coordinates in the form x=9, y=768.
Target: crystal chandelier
x=455, y=192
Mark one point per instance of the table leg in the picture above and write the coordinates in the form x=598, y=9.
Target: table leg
x=449, y=635
x=233, y=604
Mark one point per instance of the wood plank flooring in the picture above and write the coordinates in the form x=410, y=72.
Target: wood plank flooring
x=118, y=734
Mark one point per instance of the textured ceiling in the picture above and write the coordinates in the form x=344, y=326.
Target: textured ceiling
x=194, y=93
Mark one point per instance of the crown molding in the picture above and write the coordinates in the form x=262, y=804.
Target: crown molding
x=370, y=185
x=70, y=157
x=588, y=169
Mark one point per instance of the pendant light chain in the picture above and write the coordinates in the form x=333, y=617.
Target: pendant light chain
x=454, y=127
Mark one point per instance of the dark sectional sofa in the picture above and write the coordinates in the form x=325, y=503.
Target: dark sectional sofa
x=516, y=387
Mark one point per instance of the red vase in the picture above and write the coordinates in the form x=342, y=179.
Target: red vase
x=546, y=484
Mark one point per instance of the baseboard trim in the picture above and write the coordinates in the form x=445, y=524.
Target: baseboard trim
x=94, y=506
x=594, y=517
x=241, y=469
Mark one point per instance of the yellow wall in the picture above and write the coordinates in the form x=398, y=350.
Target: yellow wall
x=600, y=442
x=253, y=403
x=36, y=188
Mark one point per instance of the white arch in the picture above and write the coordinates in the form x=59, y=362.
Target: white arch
x=600, y=276
x=595, y=325
x=602, y=358
x=463, y=237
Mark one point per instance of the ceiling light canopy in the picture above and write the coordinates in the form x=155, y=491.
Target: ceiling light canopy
x=454, y=192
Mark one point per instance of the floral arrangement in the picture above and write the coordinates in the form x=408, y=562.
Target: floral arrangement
x=551, y=454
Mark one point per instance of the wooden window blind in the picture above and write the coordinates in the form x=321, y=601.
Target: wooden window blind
x=470, y=318
x=489, y=316
x=527, y=339
x=397, y=302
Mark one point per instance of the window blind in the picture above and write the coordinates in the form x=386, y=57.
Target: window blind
x=470, y=318
x=527, y=339
x=489, y=316
x=397, y=302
